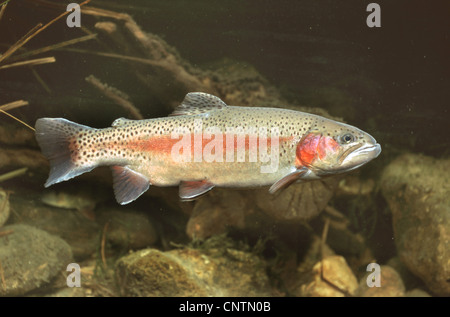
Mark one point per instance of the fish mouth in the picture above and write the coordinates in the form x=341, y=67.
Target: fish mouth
x=361, y=156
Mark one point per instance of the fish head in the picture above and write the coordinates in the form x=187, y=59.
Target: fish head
x=335, y=148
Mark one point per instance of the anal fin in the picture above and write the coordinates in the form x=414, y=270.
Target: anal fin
x=128, y=184
x=287, y=180
x=190, y=190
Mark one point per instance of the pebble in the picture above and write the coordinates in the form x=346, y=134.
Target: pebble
x=391, y=284
x=213, y=214
x=192, y=272
x=127, y=229
x=416, y=292
x=331, y=277
x=79, y=232
x=30, y=258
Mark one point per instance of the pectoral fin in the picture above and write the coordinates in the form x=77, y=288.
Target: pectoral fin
x=128, y=184
x=288, y=180
x=190, y=190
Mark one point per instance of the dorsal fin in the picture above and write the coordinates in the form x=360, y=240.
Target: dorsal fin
x=198, y=102
x=120, y=121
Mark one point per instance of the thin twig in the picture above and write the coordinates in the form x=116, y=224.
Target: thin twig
x=13, y=174
x=35, y=31
x=40, y=80
x=17, y=119
x=326, y=226
x=20, y=42
x=141, y=60
x=105, y=228
x=56, y=46
x=2, y=10
x=322, y=251
x=115, y=95
x=13, y=105
x=323, y=241
x=31, y=62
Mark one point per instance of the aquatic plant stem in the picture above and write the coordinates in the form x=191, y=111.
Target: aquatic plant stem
x=2, y=10
x=17, y=119
x=31, y=62
x=56, y=46
x=13, y=174
x=103, y=243
x=33, y=32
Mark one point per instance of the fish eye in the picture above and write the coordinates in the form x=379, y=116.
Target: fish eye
x=347, y=138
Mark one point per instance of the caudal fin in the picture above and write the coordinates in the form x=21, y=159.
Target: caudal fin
x=54, y=136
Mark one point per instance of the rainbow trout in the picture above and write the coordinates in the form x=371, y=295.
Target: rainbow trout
x=205, y=143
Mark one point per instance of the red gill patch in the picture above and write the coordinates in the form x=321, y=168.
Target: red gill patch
x=314, y=146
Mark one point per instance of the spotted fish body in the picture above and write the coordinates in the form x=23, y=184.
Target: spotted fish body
x=204, y=144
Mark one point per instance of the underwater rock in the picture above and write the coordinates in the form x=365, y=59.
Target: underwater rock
x=391, y=284
x=127, y=229
x=409, y=280
x=79, y=232
x=217, y=211
x=331, y=277
x=223, y=210
x=191, y=272
x=416, y=188
x=298, y=201
x=4, y=207
x=30, y=258
x=416, y=292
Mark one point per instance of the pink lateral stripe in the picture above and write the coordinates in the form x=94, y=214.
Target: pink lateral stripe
x=163, y=144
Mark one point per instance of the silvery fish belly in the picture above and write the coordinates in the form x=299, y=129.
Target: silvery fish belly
x=203, y=144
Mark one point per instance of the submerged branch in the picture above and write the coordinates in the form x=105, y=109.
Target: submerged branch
x=31, y=62
x=115, y=95
x=56, y=46
x=17, y=119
